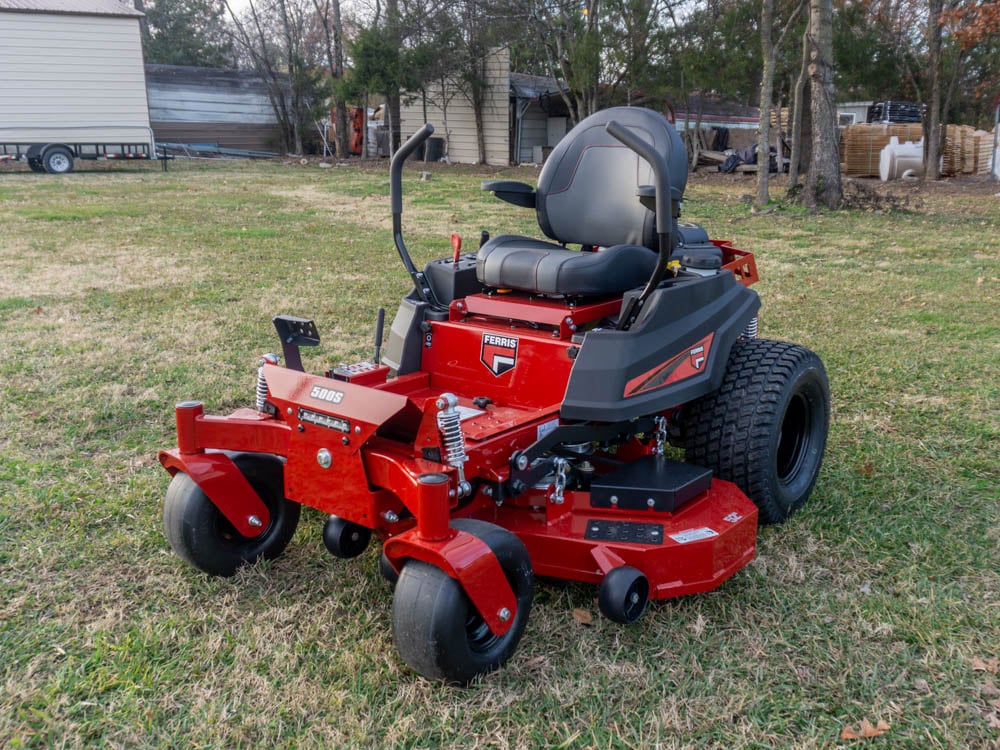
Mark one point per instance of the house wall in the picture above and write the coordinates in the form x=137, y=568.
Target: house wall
x=206, y=105
x=71, y=78
x=462, y=144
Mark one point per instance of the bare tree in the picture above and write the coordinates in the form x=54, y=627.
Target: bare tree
x=332, y=27
x=273, y=39
x=798, y=107
x=770, y=49
x=823, y=186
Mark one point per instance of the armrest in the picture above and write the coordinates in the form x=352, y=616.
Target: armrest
x=647, y=196
x=518, y=193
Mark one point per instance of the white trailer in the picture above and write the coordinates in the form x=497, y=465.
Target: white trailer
x=72, y=83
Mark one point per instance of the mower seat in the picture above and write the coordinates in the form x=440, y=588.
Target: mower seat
x=512, y=262
x=587, y=194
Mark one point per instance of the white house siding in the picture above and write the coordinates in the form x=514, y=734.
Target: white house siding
x=71, y=78
x=461, y=131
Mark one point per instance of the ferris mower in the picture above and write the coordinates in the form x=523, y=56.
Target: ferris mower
x=519, y=420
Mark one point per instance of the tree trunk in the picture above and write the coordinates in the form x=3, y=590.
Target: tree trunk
x=932, y=134
x=766, y=94
x=823, y=186
x=339, y=105
x=798, y=107
x=393, y=25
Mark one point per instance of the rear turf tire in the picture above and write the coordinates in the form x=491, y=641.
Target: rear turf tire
x=438, y=631
x=202, y=536
x=765, y=427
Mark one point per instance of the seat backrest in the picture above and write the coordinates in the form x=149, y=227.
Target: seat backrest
x=587, y=189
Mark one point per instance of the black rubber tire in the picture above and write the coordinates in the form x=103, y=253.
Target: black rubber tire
x=623, y=595
x=201, y=535
x=58, y=160
x=388, y=572
x=35, y=164
x=765, y=428
x=345, y=539
x=438, y=632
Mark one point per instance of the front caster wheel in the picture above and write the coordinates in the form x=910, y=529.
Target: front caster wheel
x=388, y=572
x=623, y=595
x=438, y=632
x=345, y=539
x=201, y=535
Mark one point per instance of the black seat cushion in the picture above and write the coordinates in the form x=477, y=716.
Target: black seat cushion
x=512, y=262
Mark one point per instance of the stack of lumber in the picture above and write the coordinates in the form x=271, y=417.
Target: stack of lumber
x=966, y=151
x=863, y=144
x=786, y=121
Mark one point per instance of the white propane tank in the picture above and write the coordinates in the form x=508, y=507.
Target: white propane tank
x=897, y=158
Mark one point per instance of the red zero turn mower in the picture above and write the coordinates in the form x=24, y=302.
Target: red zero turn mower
x=517, y=422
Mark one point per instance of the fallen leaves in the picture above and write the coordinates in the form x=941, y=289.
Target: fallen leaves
x=583, y=616
x=985, y=665
x=865, y=730
x=988, y=689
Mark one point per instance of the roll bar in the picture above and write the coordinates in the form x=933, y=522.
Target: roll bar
x=396, y=203
x=664, y=216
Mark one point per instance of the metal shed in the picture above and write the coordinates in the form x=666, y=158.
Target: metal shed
x=71, y=73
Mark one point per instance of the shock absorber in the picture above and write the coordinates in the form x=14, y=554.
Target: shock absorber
x=750, y=331
x=270, y=359
x=449, y=423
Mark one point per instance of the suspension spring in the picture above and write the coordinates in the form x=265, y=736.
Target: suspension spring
x=270, y=359
x=750, y=331
x=449, y=423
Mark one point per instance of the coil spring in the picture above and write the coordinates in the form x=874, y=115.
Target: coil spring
x=449, y=422
x=270, y=359
x=750, y=332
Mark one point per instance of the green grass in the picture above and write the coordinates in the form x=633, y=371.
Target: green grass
x=124, y=291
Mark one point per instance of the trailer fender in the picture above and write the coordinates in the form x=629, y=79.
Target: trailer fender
x=224, y=484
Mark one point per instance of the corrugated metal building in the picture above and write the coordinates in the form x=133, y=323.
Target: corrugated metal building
x=228, y=108
x=71, y=71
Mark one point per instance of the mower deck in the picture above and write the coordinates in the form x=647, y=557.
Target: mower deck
x=695, y=549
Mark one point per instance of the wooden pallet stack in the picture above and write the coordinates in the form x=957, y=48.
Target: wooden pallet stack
x=966, y=151
x=863, y=143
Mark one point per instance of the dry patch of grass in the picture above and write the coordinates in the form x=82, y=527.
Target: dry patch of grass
x=122, y=292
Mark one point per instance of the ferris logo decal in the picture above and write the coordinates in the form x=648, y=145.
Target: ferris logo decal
x=499, y=353
x=685, y=365
x=697, y=357
x=326, y=394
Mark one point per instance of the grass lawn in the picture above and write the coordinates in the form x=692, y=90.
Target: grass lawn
x=124, y=291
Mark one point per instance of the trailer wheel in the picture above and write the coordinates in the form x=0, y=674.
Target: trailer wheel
x=438, y=632
x=35, y=164
x=58, y=160
x=765, y=427
x=201, y=535
x=623, y=594
x=344, y=539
